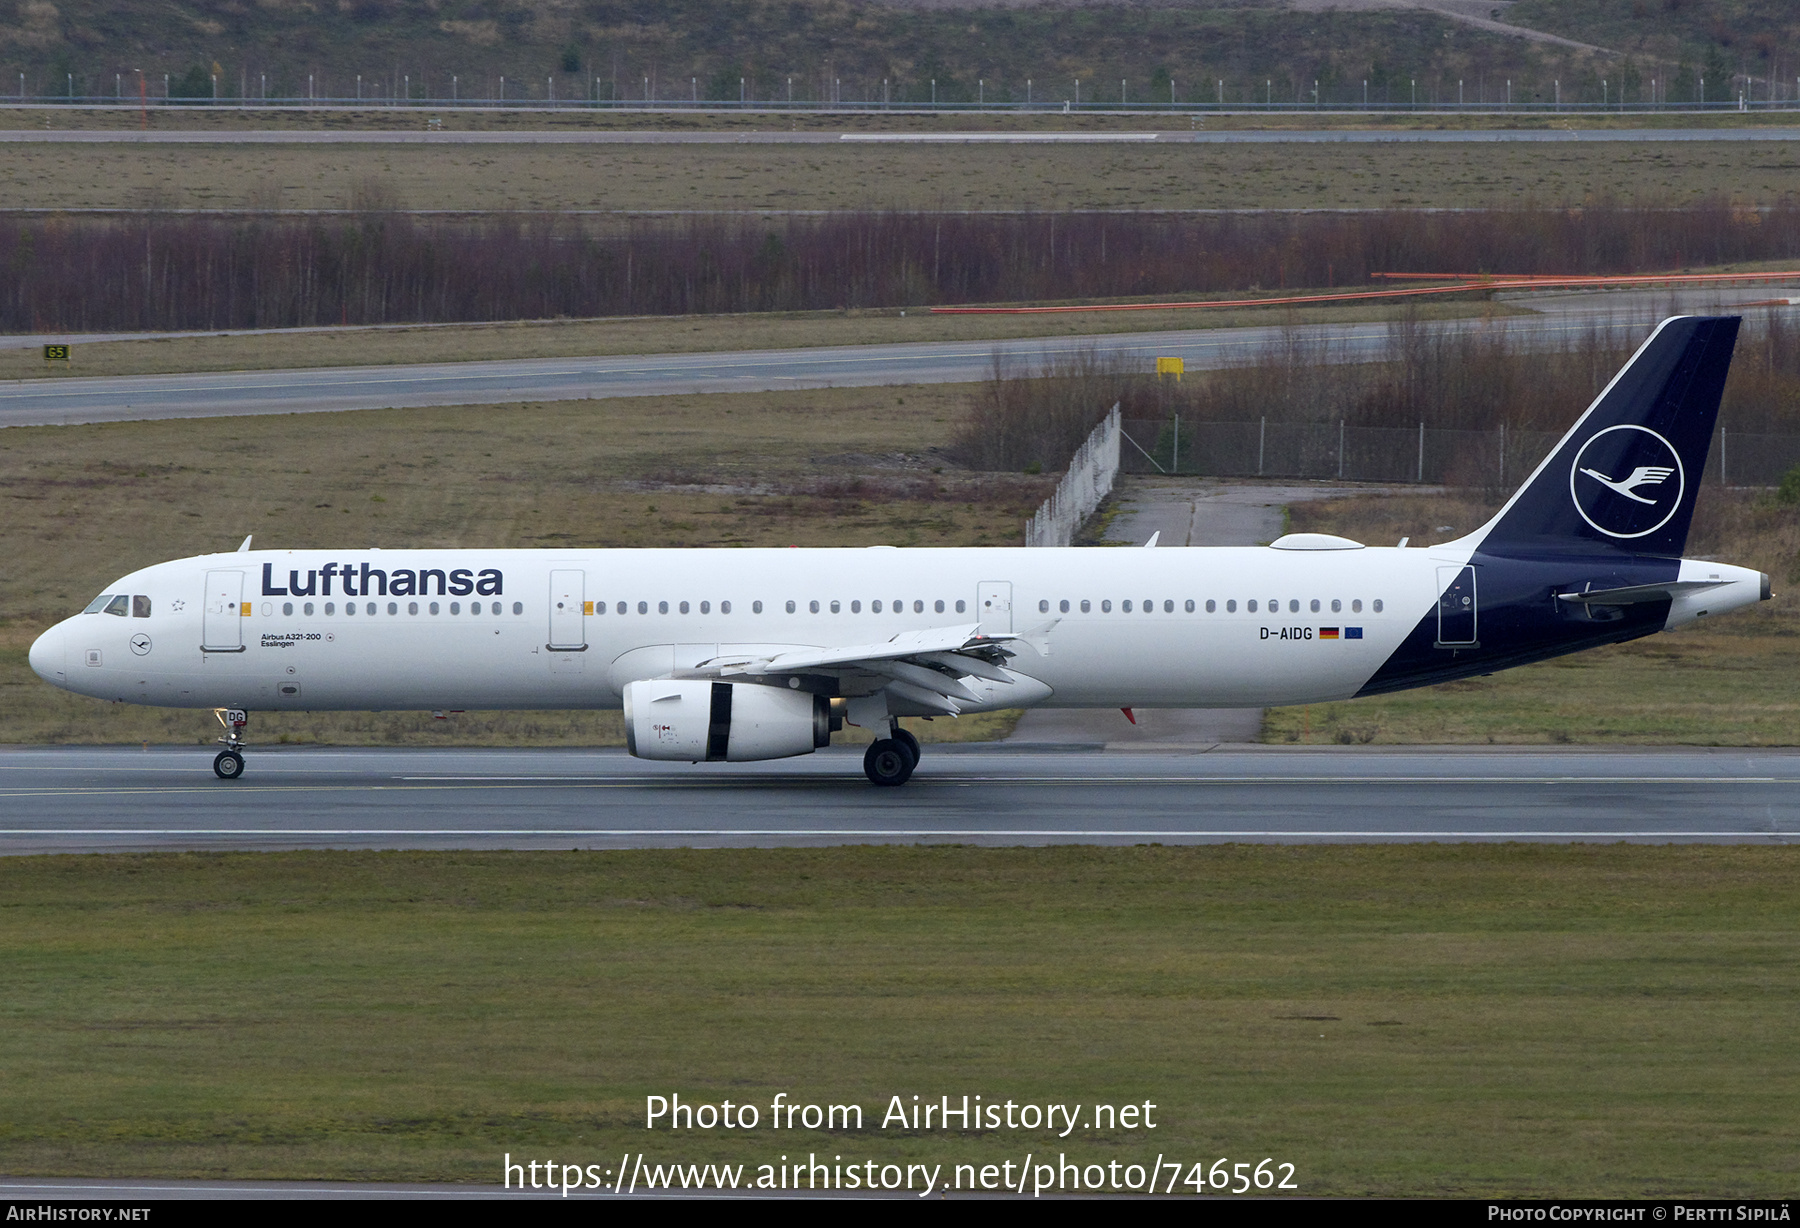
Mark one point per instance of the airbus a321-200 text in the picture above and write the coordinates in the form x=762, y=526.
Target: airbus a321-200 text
x=735, y=655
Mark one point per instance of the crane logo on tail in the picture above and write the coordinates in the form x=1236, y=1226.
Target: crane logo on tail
x=1645, y=495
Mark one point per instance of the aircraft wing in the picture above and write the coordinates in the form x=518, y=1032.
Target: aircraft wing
x=924, y=667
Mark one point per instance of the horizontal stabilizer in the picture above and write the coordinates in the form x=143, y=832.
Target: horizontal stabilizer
x=1635, y=593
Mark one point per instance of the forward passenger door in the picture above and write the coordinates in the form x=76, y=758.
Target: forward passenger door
x=222, y=625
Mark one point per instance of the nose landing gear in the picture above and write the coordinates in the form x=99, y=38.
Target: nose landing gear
x=229, y=763
x=891, y=760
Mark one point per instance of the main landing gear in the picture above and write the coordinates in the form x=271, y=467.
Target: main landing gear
x=891, y=760
x=229, y=763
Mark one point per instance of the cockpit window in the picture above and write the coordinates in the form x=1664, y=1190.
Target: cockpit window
x=140, y=607
x=119, y=605
x=98, y=603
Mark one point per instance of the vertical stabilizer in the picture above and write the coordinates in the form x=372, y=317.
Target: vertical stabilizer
x=1625, y=476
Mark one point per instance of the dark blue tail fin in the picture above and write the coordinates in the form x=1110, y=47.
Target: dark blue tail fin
x=1625, y=476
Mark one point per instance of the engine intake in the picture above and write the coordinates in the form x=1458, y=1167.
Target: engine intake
x=736, y=722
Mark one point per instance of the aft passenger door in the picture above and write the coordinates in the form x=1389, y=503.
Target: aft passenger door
x=222, y=626
x=1457, y=607
x=568, y=626
x=993, y=604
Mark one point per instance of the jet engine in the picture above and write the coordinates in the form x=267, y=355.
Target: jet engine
x=696, y=720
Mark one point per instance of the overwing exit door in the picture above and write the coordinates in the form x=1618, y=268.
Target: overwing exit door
x=993, y=605
x=568, y=626
x=222, y=623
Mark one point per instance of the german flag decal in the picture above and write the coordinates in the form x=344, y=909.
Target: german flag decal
x=1328, y=633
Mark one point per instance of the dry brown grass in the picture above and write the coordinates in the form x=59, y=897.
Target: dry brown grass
x=826, y=176
x=526, y=121
x=86, y=504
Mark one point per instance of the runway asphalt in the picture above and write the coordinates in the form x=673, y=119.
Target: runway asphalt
x=68, y=401
x=577, y=136
x=64, y=800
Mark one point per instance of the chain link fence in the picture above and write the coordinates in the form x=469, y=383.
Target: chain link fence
x=1495, y=459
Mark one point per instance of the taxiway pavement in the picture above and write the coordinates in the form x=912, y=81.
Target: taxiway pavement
x=68, y=401
x=64, y=800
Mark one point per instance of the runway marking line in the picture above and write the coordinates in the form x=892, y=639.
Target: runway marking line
x=504, y=784
x=960, y=833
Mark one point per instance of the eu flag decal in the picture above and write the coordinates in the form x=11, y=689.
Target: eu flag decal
x=1353, y=633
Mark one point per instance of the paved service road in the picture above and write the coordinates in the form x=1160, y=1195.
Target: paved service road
x=124, y=398
x=79, y=799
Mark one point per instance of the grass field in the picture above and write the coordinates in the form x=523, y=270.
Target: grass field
x=839, y=467
x=656, y=335
x=786, y=177
x=1451, y=1021
x=1730, y=683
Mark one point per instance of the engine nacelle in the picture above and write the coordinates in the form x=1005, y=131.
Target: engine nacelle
x=733, y=721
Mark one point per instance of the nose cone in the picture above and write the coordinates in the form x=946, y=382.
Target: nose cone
x=47, y=656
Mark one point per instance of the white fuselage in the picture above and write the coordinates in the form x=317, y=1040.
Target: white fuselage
x=1145, y=637
x=1204, y=627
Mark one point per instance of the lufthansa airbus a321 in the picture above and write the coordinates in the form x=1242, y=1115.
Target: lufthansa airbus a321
x=734, y=655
